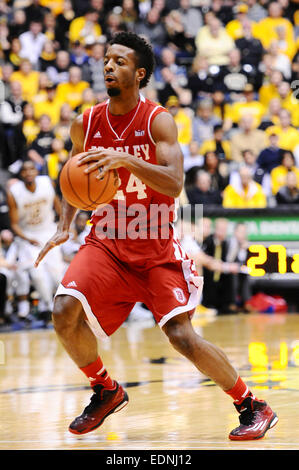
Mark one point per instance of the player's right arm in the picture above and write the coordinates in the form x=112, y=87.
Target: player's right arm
x=67, y=211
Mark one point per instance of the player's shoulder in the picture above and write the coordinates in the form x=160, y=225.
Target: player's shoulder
x=153, y=105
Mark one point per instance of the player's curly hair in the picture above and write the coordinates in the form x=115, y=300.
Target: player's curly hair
x=143, y=50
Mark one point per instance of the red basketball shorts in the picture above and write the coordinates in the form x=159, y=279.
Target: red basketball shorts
x=109, y=276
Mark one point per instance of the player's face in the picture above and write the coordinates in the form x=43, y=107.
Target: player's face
x=120, y=70
x=28, y=173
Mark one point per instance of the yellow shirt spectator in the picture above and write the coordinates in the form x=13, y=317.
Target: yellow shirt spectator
x=29, y=81
x=84, y=27
x=237, y=110
x=244, y=193
x=30, y=130
x=56, y=6
x=267, y=30
x=250, y=198
x=279, y=176
x=210, y=146
x=51, y=108
x=288, y=137
x=71, y=91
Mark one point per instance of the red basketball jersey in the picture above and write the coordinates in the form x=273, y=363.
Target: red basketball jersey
x=130, y=133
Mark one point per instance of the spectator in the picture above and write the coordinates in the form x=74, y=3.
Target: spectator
x=202, y=192
x=183, y=122
x=71, y=91
x=153, y=29
x=30, y=126
x=88, y=100
x=35, y=12
x=48, y=56
x=4, y=38
x=93, y=70
x=191, y=18
x=244, y=194
x=250, y=47
x=258, y=175
x=50, y=106
x=32, y=42
x=17, y=25
x=42, y=145
x=235, y=27
x=289, y=193
x=279, y=173
x=212, y=165
x=78, y=54
x=271, y=117
x=85, y=28
x=113, y=25
x=129, y=14
x=270, y=157
x=4, y=217
x=63, y=21
x=56, y=159
x=59, y=72
x=62, y=129
x=7, y=70
x=193, y=158
x=267, y=28
x=49, y=27
x=13, y=55
x=285, y=46
x=213, y=42
x=168, y=59
x=217, y=144
x=11, y=117
x=250, y=106
x=204, y=122
x=237, y=252
x=288, y=135
x=279, y=60
x=269, y=90
x=247, y=138
x=177, y=36
x=236, y=76
x=256, y=11
x=28, y=78
x=203, y=79
x=217, y=288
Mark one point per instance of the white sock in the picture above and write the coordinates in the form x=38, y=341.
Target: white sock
x=23, y=308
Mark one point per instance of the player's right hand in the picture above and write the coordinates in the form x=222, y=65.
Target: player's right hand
x=57, y=239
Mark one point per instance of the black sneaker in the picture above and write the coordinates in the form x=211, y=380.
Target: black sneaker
x=103, y=403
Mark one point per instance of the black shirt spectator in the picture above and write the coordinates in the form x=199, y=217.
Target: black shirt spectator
x=289, y=194
x=203, y=193
x=42, y=144
x=270, y=157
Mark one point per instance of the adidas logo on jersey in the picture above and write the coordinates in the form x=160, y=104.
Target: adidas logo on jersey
x=97, y=135
x=139, y=133
x=72, y=284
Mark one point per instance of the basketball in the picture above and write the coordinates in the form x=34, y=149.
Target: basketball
x=85, y=191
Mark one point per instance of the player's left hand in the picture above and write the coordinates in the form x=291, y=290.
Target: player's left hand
x=103, y=160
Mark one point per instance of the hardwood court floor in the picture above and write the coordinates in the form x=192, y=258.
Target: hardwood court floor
x=171, y=405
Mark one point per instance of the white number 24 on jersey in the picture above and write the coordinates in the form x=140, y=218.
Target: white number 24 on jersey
x=134, y=185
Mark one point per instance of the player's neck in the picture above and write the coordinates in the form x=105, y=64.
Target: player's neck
x=31, y=186
x=119, y=105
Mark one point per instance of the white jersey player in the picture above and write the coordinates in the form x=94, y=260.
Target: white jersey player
x=32, y=201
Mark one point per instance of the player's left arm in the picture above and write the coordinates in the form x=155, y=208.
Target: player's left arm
x=166, y=176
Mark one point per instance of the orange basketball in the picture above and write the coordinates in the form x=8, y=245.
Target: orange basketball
x=85, y=191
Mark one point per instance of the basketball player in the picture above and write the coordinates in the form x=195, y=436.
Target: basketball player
x=109, y=275
x=32, y=204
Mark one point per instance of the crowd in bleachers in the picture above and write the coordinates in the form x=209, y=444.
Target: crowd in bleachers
x=228, y=72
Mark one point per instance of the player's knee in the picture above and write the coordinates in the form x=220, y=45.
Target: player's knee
x=65, y=314
x=180, y=338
